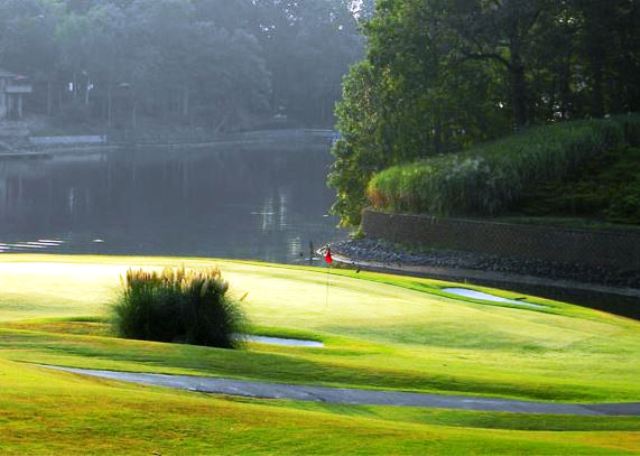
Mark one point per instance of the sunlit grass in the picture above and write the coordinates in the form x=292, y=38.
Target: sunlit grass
x=43, y=412
x=380, y=331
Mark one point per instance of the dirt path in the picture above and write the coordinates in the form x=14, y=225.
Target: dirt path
x=355, y=396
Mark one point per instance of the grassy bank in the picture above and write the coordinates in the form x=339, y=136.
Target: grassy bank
x=607, y=189
x=495, y=178
x=50, y=413
x=380, y=331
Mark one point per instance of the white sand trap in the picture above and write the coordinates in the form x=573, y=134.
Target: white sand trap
x=26, y=245
x=479, y=295
x=44, y=243
x=282, y=341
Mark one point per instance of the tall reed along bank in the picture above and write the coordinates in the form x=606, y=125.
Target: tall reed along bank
x=541, y=164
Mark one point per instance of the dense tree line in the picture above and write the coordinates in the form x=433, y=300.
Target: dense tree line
x=440, y=75
x=223, y=64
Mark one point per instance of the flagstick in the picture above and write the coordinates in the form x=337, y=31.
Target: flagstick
x=326, y=302
x=328, y=259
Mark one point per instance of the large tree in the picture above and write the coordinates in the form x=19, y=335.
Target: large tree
x=309, y=46
x=441, y=75
x=503, y=31
x=28, y=42
x=417, y=94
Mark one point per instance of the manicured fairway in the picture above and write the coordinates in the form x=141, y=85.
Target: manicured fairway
x=380, y=331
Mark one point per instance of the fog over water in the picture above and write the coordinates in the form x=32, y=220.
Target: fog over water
x=261, y=200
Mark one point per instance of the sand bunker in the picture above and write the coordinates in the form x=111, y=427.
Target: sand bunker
x=282, y=341
x=481, y=296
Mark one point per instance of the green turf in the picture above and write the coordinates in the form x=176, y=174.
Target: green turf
x=380, y=331
x=43, y=412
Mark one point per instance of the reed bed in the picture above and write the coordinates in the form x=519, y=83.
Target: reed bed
x=490, y=178
x=178, y=305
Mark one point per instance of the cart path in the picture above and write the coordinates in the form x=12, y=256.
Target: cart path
x=267, y=390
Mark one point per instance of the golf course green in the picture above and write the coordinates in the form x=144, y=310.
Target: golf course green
x=380, y=332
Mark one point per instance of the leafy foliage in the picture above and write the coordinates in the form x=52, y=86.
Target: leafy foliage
x=491, y=178
x=441, y=76
x=403, y=101
x=220, y=64
x=178, y=305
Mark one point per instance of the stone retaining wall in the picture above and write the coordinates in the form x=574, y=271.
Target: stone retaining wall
x=619, y=249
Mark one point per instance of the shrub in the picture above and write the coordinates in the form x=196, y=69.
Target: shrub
x=178, y=306
x=488, y=179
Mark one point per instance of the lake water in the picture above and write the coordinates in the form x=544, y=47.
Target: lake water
x=254, y=199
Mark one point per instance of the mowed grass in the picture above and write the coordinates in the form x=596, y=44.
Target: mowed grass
x=380, y=331
x=44, y=412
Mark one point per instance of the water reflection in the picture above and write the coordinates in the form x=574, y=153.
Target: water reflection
x=240, y=201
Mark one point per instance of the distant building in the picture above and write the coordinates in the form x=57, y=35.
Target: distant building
x=13, y=87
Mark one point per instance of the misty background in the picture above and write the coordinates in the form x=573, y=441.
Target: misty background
x=216, y=64
x=221, y=112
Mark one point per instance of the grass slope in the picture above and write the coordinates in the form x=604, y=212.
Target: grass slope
x=381, y=331
x=55, y=413
x=548, y=170
x=607, y=189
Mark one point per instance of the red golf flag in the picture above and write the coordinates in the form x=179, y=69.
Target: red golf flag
x=327, y=256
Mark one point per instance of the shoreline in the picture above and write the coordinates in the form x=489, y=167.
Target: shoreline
x=253, y=137
x=546, y=279
x=51, y=151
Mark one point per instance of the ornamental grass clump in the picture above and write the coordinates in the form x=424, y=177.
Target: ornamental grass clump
x=490, y=178
x=178, y=305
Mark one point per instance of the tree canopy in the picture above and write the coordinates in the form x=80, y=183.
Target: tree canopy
x=224, y=64
x=441, y=75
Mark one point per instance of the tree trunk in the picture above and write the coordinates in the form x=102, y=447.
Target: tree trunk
x=86, y=93
x=110, y=106
x=217, y=128
x=185, y=102
x=437, y=134
x=597, y=38
x=519, y=92
x=134, y=115
x=49, y=98
x=597, y=97
x=565, y=89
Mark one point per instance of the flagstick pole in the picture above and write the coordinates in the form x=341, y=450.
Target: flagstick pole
x=326, y=301
x=328, y=259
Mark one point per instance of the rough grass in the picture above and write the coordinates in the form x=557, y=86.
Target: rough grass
x=490, y=178
x=608, y=189
x=381, y=331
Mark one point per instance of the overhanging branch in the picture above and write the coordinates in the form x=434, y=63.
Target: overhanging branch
x=488, y=56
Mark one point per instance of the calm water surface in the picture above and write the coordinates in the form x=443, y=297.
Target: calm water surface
x=261, y=200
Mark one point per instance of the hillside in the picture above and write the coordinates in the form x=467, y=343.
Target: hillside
x=582, y=169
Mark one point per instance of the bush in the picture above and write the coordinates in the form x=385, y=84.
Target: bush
x=178, y=306
x=488, y=179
